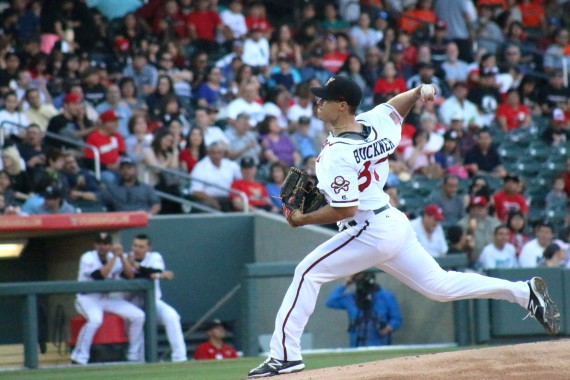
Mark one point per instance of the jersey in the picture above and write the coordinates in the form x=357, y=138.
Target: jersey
x=90, y=262
x=352, y=168
x=207, y=351
x=154, y=261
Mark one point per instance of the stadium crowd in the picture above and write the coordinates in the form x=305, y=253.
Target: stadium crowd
x=220, y=91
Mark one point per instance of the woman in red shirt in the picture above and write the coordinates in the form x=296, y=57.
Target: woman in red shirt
x=512, y=114
x=389, y=82
x=194, y=151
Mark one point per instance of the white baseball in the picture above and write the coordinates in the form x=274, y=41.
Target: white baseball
x=427, y=90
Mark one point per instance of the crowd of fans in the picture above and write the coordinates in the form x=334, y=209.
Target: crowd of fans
x=219, y=90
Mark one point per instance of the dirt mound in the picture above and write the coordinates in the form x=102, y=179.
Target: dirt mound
x=545, y=360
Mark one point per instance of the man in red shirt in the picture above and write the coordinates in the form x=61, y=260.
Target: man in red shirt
x=255, y=191
x=214, y=347
x=110, y=145
x=512, y=114
x=509, y=199
x=203, y=23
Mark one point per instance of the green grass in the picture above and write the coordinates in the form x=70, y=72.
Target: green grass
x=198, y=370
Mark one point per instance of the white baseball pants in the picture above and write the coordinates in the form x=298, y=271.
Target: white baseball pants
x=386, y=241
x=92, y=306
x=168, y=317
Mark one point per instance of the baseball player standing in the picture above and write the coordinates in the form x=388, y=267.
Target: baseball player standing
x=149, y=264
x=352, y=169
x=102, y=264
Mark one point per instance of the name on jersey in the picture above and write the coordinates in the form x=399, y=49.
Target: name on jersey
x=373, y=150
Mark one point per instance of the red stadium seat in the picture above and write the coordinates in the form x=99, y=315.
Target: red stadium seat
x=112, y=330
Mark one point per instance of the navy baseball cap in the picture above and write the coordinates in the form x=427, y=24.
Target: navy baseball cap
x=340, y=88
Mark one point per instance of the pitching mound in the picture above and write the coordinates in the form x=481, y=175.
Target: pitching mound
x=545, y=360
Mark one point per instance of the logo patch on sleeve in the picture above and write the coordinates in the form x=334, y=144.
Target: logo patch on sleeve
x=339, y=184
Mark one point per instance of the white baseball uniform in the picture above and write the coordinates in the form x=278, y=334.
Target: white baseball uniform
x=352, y=170
x=166, y=315
x=92, y=306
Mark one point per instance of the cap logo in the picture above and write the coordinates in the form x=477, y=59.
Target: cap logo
x=331, y=79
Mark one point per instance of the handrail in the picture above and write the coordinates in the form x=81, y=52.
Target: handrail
x=185, y=201
x=188, y=177
x=67, y=140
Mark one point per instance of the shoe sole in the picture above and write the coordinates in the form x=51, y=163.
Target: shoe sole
x=292, y=369
x=551, y=313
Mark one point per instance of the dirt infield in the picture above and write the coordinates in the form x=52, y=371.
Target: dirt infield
x=545, y=360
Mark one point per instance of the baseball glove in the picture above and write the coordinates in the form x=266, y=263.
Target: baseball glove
x=298, y=193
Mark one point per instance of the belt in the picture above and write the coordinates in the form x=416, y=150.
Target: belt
x=353, y=223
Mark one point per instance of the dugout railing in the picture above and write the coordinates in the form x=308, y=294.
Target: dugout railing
x=31, y=290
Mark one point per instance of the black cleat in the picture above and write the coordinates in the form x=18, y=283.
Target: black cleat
x=272, y=367
x=541, y=307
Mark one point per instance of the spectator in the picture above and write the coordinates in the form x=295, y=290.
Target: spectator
x=276, y=104
x=203, y=24
x=256, y=193
x=486, y=97
x=553, y=94
x=162, y=153
x=14, y=120
x=110, y=145
x=143, y=74
x=557, y=132
x=277, y=173
x=518, y=237
x=164, y=89
x=314, y=67
x=138, y=137
x=478, y=225
x=532, y=252
x=489, y=34
x=302, y=140
x=170, y=112
x=80, y=180
x=243, y=141
x=53, y=203
x=556, y=197
x=500, y=254
x=283, y=75
x=425, y=75
x=114, y=102
x=233, y=20
x=554, y=256
x=416, y=157
x=52, y=173
x=458, y=240
x=276, y=144
x=93, y=89
x=372, y=67
x=455, y=69
x=554, y=56
x=213, y=176
x=256, y=51
x=146, y=263
x=363, y=37
x=209, y=93
x=211, y=133
x=459, y=17
x=12, y=164
x=214, y=347
x=389, y=83
x=7, y=191
x=331, y=22
x=512, y=114
x=72, y=122
x=373, y=311
x=429, y=231
x=451, y=203
x=458, y=103
x=333, y=58
x=352, y=68
x=286, y=45
x=303, y=106
x=32, y=149
x=130, y=96
x=38, y=113
x=105, y=262
x=509, y=198
x=246, y=102
x=129, y=194
x=194, y=150
x=449, y=156
x=484, y=158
